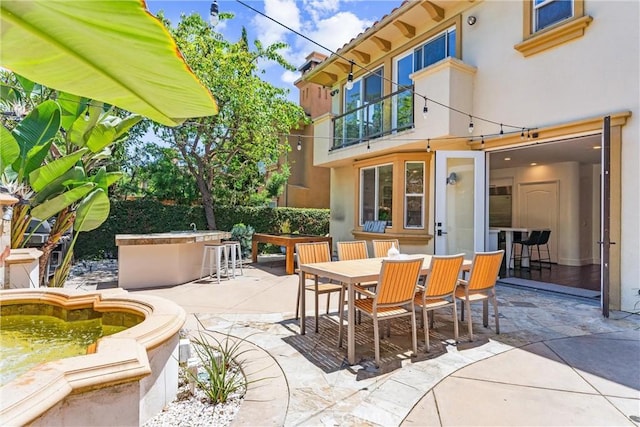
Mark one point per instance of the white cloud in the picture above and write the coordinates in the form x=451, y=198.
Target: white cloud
x=290, y=76
x=285, y=11
x=318, y=9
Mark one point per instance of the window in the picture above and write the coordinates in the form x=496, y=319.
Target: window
x=414, y=195
x=551, y=23
x=368, y=120
x=441, y=46
x=549, y=12
x=403, y=101
x=376, y=194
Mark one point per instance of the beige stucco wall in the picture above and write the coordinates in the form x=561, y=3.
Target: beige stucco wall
x=592, y=76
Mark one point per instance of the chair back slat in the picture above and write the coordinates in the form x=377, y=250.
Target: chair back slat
x=309, y=253
x=381, y=247
x=485, y=270
x=356, y=249
x=398, y=279
x=443, y=275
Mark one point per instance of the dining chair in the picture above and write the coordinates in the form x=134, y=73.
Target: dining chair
x=529, y=243
x=439, y=290
x=544, y=241
x=381, y=247
x=309, y=253
x=393, y=297
x=481, y=286
x=355, y=249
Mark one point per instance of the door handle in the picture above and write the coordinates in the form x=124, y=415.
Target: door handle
x=440, y=232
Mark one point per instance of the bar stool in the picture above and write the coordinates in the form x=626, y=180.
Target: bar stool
x=529, y=243
x=235, y=250
x=217, y=250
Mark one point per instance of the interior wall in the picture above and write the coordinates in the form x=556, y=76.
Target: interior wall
x=573, y=231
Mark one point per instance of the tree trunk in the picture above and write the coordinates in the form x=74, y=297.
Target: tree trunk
x=207, y=203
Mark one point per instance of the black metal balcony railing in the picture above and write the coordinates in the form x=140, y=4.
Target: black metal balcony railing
x=389, y=114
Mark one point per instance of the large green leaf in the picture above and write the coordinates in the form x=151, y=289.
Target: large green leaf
x=52, y=206
x=112, y=51
x=92, y=211
x=9, y=148
x=34, y=158
x=72, y=178
x=43, y=176
x=40, y=125
x=72, y=107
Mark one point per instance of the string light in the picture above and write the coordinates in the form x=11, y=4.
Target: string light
x=528, y=134
x=349, y=84
x=87, y=116
x=470, y=124
x=299, y=146
x=213, y=13
x=425, y=109
x=428, y=145
x=368, y=145
x=522, y=134
x=482, y=142
x=501, y=131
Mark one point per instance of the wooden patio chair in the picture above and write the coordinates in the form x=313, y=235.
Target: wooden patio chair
x=439, y=289
x=381, y=247
x=355, y=249
x=393, y=296
x=481, y=286
x=309, y=253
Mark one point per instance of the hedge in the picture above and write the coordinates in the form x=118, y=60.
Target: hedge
x=148, y=216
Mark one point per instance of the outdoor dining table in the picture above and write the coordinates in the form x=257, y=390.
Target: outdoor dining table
x=351, y=273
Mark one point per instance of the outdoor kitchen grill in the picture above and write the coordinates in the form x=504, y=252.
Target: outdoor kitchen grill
x=37, y=239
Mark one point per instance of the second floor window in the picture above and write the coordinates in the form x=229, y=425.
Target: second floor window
x=549, y=12
x=441, y=46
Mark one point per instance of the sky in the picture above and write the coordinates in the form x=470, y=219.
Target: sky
x=331, y=23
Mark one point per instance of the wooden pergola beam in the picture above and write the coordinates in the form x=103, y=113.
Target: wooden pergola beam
x=383, y=45
x=345, y=67
x=435, y=12
x=409, y=31
x=361, y=56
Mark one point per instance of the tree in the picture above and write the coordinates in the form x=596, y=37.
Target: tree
x=229, y=154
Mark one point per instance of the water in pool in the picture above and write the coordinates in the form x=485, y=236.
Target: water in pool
x=28, y=340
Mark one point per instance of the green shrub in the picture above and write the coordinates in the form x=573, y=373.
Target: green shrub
x=149, y=216
x=243, y=234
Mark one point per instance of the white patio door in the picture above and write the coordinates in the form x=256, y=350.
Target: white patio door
x=460, y=202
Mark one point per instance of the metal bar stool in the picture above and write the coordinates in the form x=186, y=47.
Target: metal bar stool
x=209, y=251
x=235, y=250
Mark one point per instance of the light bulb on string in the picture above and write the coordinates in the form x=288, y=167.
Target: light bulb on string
x=428, y=145
x=213, y=13
x=470, y=124
x=349, y=84
x=522, y=134
x=425, y=109
x=501, y=131
x=299, y=146
x=368, y=146
x=528, y=134
x=87, y=116
x=482, y=141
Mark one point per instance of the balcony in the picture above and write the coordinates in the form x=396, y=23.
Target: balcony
x=387, y=115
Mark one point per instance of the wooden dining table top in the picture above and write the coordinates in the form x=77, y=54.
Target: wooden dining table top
x=363, y=270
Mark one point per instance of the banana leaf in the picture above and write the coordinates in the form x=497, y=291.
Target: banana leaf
x=92, y=211
x=9, y=148
x=52, y=206
x=112, y=51
x=41, y=177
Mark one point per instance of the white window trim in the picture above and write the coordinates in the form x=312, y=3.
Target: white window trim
x=406, y=195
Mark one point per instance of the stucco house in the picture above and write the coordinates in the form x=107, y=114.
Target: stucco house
x=441, y=104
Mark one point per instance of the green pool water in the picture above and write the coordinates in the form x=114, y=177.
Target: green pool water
x=28, y=340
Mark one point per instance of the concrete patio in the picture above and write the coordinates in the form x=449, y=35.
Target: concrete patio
x=557, y=361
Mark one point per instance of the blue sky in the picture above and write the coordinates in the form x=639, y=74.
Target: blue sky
x=332, y=23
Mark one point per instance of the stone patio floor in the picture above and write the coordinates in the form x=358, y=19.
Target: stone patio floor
x=556, y=362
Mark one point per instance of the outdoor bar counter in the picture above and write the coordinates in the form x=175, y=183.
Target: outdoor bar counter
x=162, y=259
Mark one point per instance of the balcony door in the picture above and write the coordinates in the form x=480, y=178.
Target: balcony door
x=363, y=113
x=460, y=202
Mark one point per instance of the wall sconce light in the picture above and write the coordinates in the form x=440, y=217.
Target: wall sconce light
x=334, y=92
x=349, y=84
x=471, y=20
x=452, y=178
